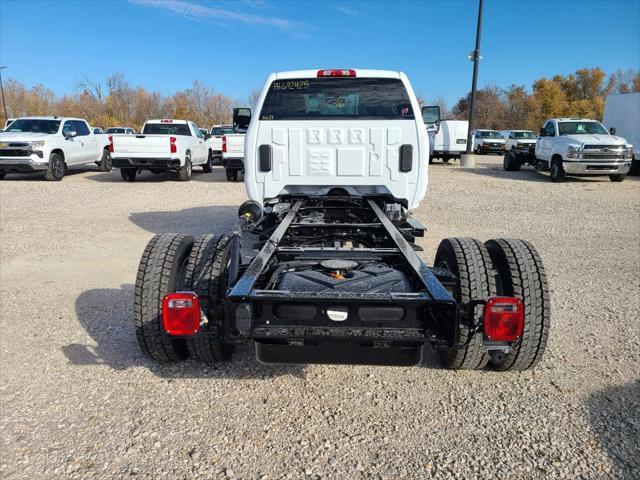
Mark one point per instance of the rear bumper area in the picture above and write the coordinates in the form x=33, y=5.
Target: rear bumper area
x=339, y=353
x=596, y=168
x=492, y=149
x=236, y=163
x=21, y=164
x=146, y=163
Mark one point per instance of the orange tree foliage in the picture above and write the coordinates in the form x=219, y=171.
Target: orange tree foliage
x=117, y=103
x=581, y=94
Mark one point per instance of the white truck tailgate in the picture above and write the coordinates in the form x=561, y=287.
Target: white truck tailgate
x=141, y=145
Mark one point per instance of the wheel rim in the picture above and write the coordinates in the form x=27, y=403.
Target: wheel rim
x=58, y=168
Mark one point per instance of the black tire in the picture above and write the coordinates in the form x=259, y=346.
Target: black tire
x=128, y=174
x=2, y=175
x=430, y=159
x=557, y=172
x=161, y=271
x=617, y=177
x=469, y=260
x=208, y=167
x=56, y=169
x=232, y=174
x=510, y=162
x=520, y=273
x=205, y=275
x=184, y=173
x=445, y=159
x=105, y=163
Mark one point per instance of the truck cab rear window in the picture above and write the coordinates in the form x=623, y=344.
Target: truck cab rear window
x=167, y=129
x=337, y=98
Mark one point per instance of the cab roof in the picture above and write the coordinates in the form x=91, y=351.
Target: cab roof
x=360, y=73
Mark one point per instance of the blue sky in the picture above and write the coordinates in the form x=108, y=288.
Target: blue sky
x=165, y=45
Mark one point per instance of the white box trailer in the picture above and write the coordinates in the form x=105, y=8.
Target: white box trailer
x=622, y=113
x=450, y=140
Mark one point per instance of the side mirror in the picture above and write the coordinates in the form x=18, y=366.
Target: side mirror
x=70, y=134
x=241, y=118
x=543, y=132
x=431, y=117
x=612, y=130
x=207, y=136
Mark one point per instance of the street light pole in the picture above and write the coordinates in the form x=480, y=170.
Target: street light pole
x=4, y=105
x=475, y=58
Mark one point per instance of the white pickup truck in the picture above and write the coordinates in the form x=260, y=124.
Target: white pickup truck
x=163, y=146
x=50, y=145
x=233, y=144
x=215, y=142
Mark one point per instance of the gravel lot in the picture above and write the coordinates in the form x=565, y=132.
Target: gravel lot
x=79, y=400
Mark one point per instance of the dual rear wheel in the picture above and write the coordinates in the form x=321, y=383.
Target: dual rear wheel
x=170, y=263
x=502, y=267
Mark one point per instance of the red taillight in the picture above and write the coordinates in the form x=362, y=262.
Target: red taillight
x=110, y=143
x=224, y=143
x=503, y=319
x=181, y=313
x=172, y=142
x=336, y=72
x=166, y=120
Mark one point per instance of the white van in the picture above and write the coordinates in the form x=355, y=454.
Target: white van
x=450, y=140
x=524, y=140
x=622, y=118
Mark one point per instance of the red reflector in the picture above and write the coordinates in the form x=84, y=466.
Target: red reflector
x=336, y=72
x=172, y=142
x=503, y=319
x=110, y=143
x=224, y=144
x=181, y=313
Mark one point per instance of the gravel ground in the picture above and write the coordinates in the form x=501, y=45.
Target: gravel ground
x=79, y=400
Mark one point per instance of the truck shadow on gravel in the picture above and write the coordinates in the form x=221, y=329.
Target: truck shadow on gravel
x=195, y=221
x=216, y=176
x=106, y=315
x=615, y=418
x=529, y=174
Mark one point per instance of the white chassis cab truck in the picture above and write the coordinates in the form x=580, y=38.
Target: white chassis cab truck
x=577, y=147
x=335, y=161
x=163, y=146
x=50, y=145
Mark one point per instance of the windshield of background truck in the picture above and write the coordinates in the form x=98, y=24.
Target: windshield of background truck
x=219, y=131
x=524, y=135
x=337, y=98
x=581, y=128
x=34, y=126
x=166, y=129
x=115, y=130
x=491, y=134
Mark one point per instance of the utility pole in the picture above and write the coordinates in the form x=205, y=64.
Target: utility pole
x=475, y=58
x=4, y=105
